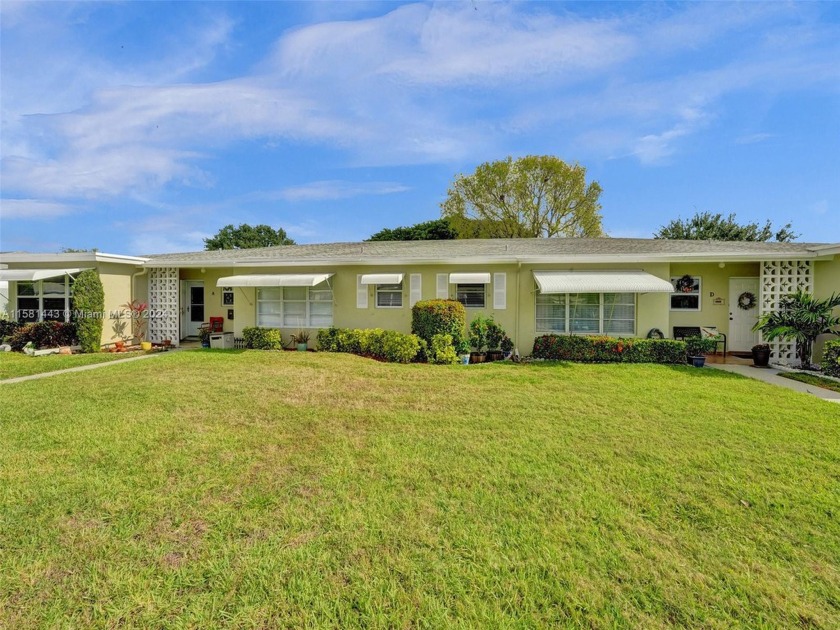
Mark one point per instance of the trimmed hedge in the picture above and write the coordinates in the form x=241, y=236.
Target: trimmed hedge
x=385, y=345
x=44, y=335
x=89, y=301
x=831, y=358
x=258, y=338
x=439, y=317
x=608, y=349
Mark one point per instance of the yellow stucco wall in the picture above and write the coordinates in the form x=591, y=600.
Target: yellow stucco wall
x=826, y=282
x=116, y=283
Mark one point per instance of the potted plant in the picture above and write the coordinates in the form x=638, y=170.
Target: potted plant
x=204, y=335
x=139, y=313
x=696, y=348
x=301, y=339
x=495, y=334
x=506, y=346
x=463, y=350
x=479, y=327
x=761, y=354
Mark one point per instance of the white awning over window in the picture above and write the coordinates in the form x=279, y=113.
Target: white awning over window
x=381, y=278
x=274, y=280
x=600, y=282
x=469, y=278
x=30, y=275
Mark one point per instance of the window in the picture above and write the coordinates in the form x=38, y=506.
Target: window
x=45, y=300
x=586, y=313
x=686, y=295
x=470, y=295
x=389, y=295
x=295, y=307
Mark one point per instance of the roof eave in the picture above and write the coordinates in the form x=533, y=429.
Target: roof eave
x=62, y=258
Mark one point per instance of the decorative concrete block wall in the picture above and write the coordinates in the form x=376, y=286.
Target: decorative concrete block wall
x=778, y=279
x=164, y=303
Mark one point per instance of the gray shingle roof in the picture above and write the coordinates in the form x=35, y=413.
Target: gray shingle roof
x=490, y=249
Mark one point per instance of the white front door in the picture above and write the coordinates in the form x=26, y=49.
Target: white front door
x=193, y=316
x=741, y=336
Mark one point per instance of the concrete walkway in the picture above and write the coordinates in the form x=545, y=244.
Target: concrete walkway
x=80, y=368
x=770, y=375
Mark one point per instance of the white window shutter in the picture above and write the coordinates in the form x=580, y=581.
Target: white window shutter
x=415, y=289
x=361, y=293
x=500, y=291
x=442, y=286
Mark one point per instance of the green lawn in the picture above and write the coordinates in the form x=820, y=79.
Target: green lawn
x=14, y=364
x=812, y=379
x=255, y=489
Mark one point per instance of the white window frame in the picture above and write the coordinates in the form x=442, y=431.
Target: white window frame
x=698, y=293
x=473, y=287
x=39, y=295
x=307, y=320
x=567, y=315
x=389, y=289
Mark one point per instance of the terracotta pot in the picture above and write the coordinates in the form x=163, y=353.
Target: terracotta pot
x=495, y=355
x=476, y=357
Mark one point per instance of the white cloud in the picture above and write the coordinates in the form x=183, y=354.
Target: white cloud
x=753, y=138
x=32, y=209
x=333, y=190
x=422, y=83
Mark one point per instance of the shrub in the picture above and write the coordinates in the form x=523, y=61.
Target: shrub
x=608, y=349
x=696, y=346
x=44, y=335
x=438, y=317
x=495, y=335
x=480, y=332
x=831, y=358
x=386, y=345
x=89, y=303
x=8, y=328
x=326, y=339
x=442, y=350
x=262, y=338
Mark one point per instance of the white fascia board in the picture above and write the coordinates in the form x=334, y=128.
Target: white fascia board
x=63, y=258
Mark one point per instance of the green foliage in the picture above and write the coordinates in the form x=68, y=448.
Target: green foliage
x=247, y=237
x=707, y=226
x=259, y=338
x=385, y=345
x=435, y=230
x=8, y=328
x=586, y=349
x=442, y=350
x=802, y=318
x=696, y=346
x=44, y=335
x=495, y=335
x=438, y=317
x=89, y=303
x=532, y=196
x=831, y=358
x=480, y=332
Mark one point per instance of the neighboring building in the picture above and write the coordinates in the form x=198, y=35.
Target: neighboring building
x=620, y=287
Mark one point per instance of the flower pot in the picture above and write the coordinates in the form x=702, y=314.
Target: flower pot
x=465, y=359
x=476, y=357
x=495, y=355
x=146, y=345
x=761, y=358
x=301, y=347
x=698, y=362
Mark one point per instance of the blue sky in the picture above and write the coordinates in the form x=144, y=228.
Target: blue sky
x=143, y=127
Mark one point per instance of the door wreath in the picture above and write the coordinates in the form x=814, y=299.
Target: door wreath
x=685, y=284
x=746, y=300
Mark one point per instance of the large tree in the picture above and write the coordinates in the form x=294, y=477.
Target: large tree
x=247, y=237
x=532, y=196
x=705, y=226
x=435, y=230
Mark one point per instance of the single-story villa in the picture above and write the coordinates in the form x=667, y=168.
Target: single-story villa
x=611, y=286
